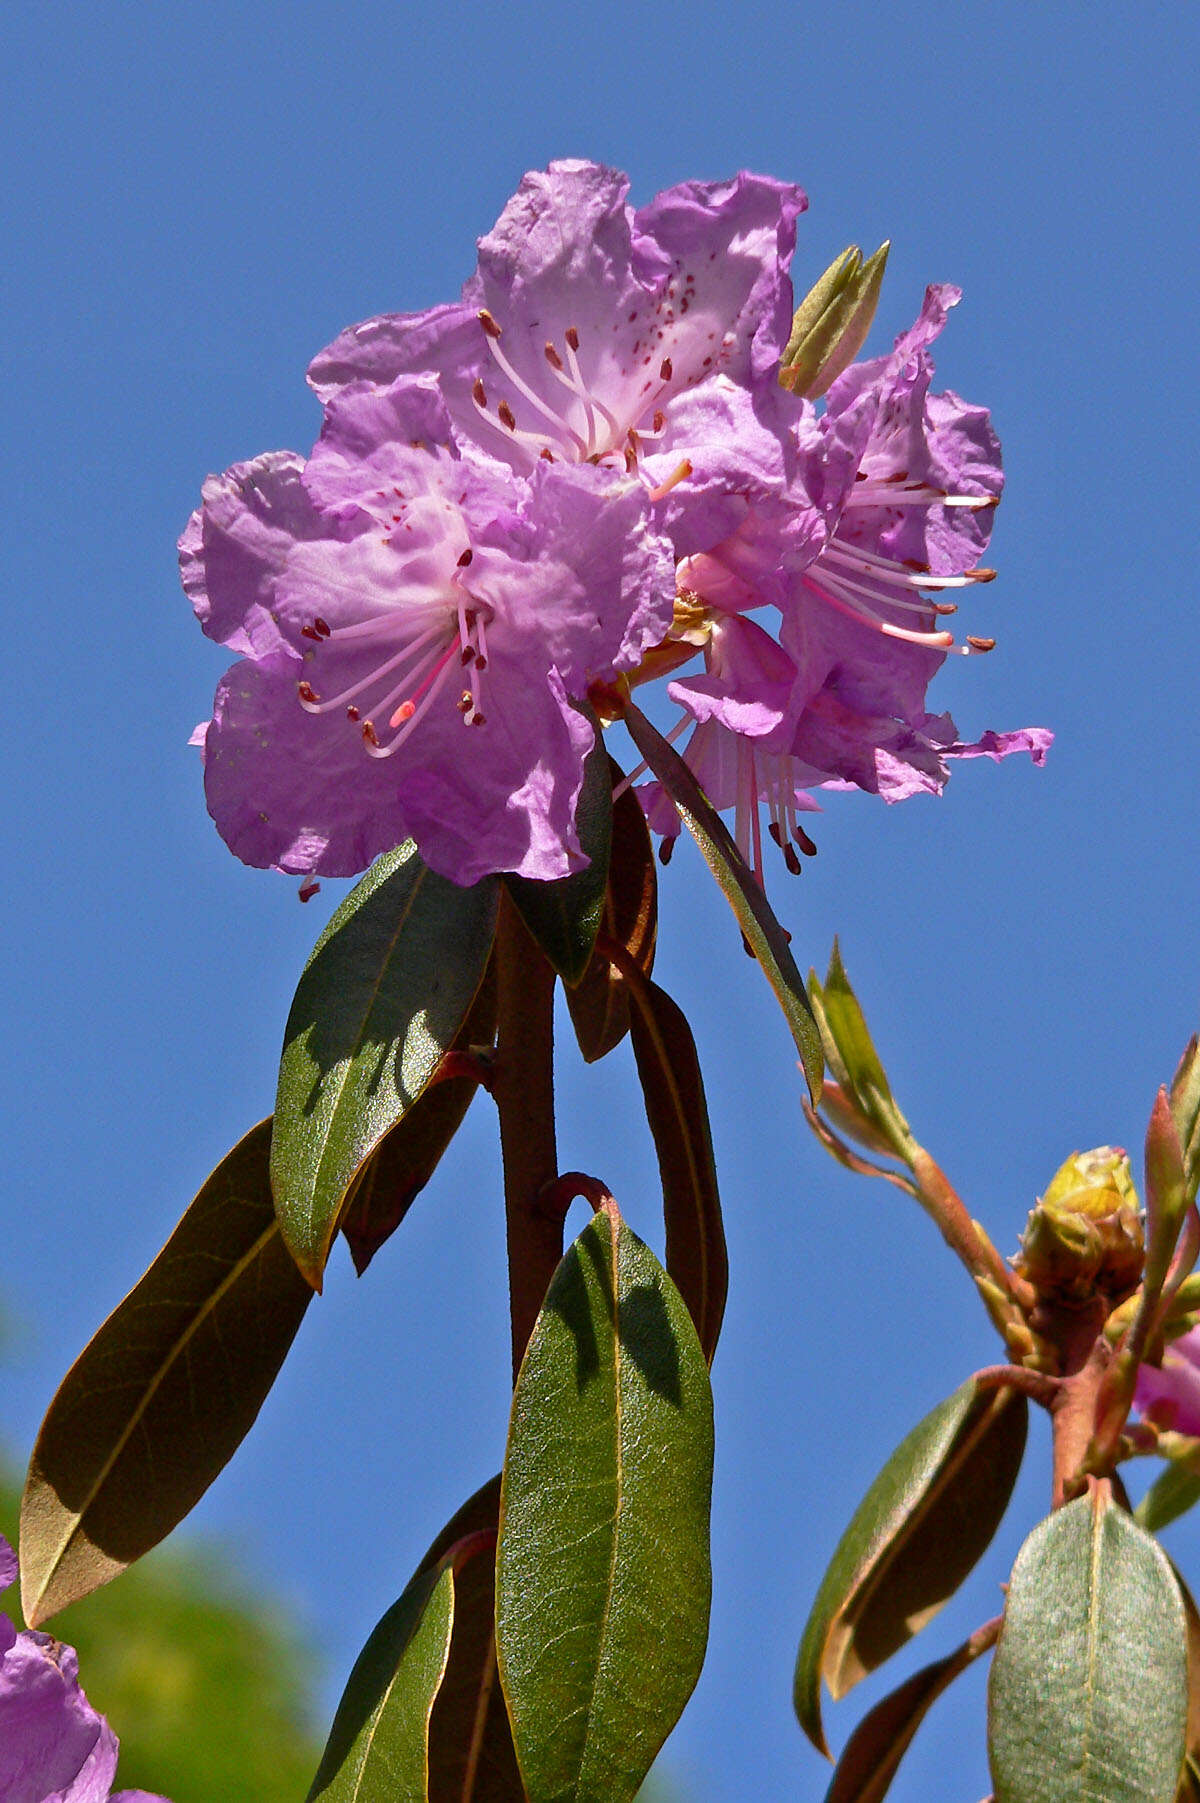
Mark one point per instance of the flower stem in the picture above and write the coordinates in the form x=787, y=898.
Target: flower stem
x=523, y=1088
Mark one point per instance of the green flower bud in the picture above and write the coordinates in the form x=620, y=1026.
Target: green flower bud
x=1085, y=1235
x=832, y=321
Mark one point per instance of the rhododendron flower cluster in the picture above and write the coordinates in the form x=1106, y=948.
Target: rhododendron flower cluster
x=584, y=473
x=54, y=1747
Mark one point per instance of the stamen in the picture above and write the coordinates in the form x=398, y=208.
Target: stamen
x=488, y=323
x=855, y=608
x=552, y=356
x=375, y=749
x=522, y=386
x=977, y=644
x=311, y=702
x=876, y=491
x=466, y=558
x=672, y=481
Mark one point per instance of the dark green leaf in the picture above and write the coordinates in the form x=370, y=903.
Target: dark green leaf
x=378, y=1749
x=1088, y=1691
x=603, y=1575
x=564, y=916
x=762, y=932
x=406, y=1158
x=382, y=997
x=471, y=1756
x=874, y=1751
x=678, y=1115
x=165, y=1392
x=599, y=1005
x=918, y=1531
x=1171, y=1495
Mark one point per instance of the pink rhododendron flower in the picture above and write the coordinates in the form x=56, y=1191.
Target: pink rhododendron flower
x=54, y=1747
x=1173, y=1392
x=647, y=340
x=414, y=629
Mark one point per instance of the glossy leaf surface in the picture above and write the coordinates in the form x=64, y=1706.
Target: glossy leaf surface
x=406, y=1158
x=603, y=1576
x=918, y=1531
x=874, y=1751
x=760, y=929
x=599, y=1004
x=564, y=916
x=1088, y=1691
x=678, y=1115
x=471, y=1754
x=164, y=1393
x=378, y=1748
x=383, y=996
x=1172, y=1494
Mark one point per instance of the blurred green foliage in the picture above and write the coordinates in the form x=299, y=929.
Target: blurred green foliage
x=209, y=1689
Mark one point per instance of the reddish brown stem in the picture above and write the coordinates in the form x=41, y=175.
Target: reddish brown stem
x=557, y=1196
x=1038, y=1385
x=523, y=1088
x=942, y=1201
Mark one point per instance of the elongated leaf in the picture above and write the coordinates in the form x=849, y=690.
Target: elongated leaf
x=164, y=1393
x=471, y=1754
x=406, y=1158
x=378, y=1748
x=874, y=1751
x=918, y=1531
x=1189, y=1782
x=1088, y=1691
x=1172, y=1494
x=678, y=1114
x=603, y=1576
x=565, y=916
x=382, y=997
x=599, y=1005
x=762, y=932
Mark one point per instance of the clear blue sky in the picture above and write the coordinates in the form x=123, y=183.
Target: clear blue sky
x=197, y=199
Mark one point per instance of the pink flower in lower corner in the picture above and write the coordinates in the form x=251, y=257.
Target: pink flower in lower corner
x=54, y=1747
x=1172, y=1392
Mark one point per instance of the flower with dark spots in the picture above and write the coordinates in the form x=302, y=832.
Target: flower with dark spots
x=418, y=628
x=646, y=341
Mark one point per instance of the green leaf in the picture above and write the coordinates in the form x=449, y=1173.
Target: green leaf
x=1185, y=1107
x=1171, y=1495
x=406, y=1158
x=378, y=1748
x=165, y=1392
x=919, y=1530
x=471, y=1754
x=382, y=997
x=673, y=1089
x=603, y=1577
x=1088, y=1692
x=853, y=1059
x=599, y=1004
x=762, y=932
x=874, y=1751
x=564, y=916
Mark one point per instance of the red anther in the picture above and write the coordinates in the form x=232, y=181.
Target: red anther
x=352, y=712
x=982, y=574
x=630, y=460
x=666, y=369
x=464, y=702
x=488, y=323
x=479, y=392
x=306, y=692
x=775, y=833
x=310, y=632
x=466, y=557
x=660, y=419
x=552, y=356
x=477, y=719
x=791, y=860
x=370, y=736
x=322, y=627
x=980, y=644
x=572, y=338
x=547, y=454
x=507, y=417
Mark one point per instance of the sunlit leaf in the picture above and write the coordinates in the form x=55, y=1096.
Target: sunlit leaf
x=564, y=916
x=1088, y=1692
x=760, y=929
x=919, y=1530
x=599, y=1004
x=165, y=1392
x=406, y=1158
x=383, y=996
x=1172, y=1494
x=873, y=1753
x=378, y=1748
x=678, y=1114
x=603, y=1575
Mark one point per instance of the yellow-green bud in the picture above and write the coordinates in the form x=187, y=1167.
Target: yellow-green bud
x=1085, y=1235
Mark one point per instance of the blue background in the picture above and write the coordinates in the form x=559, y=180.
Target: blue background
x=198, y=198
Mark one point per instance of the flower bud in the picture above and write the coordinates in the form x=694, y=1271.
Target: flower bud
x=832, y=321
x=1085, y=1235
